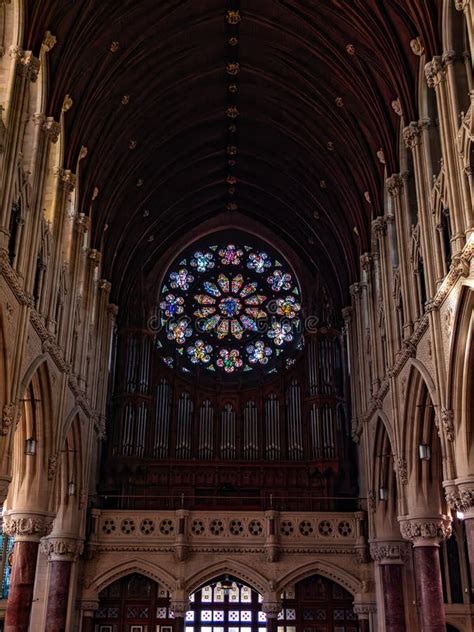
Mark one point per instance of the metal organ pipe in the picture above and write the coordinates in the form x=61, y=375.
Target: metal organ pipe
x=162, y=419
x=250, y=443
x=206, y=430
x=183, y=430
x=315, y=431
x=228, y=432
x=126, y=444
x=139, y=440
x=294, y=427
x=272, y=426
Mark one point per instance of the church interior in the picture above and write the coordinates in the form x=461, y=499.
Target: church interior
x=237, y=316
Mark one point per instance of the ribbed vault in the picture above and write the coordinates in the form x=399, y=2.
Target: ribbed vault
x=315, y=92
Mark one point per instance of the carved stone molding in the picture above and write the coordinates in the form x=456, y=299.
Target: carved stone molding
x=23, y=526
x=389, y=552
x=447, y=423
x=9, y=416
x=402, y=469
x=62, y=549
x=425, y=531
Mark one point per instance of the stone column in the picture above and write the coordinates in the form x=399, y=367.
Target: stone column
x=460, y=496
x=62, y=552
x=272, y=608
x=88, y=610
x=426, y=533
x=363, y=612
x=179, y=607
x=27, y=529
x=391, y=557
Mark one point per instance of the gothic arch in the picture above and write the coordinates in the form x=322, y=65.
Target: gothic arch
x=326, y=569
x=383, y=476
x=232, y=567
x=419, y=427
x=144, y=567
x=460, y=396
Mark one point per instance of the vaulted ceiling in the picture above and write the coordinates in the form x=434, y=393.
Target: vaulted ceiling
x=313, y=94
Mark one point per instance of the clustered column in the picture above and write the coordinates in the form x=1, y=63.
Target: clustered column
x=426, y=535
x=27, y=529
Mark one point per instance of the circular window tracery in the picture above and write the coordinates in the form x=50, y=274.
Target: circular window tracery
x=229, y=306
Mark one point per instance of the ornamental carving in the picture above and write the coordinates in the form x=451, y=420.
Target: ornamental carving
x=233, y=68
x=388, y=551
x=461, y=500
x=411, y=135
x=271, y=608
x=27, y=526
x=8, y=417
x=179, y=608
x=394, y=184
x=447, y=423
x=417, y=47
x=233, y=16
x=62, y=547
x=397, y=107
x=402, y=469
x=52, y=466
x=49, y=41
x=432, y=71
x=419, y=529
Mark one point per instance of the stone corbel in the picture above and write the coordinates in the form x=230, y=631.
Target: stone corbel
x=51, y=128
x=394, y=185
x=433, y=70
x=272, y=550
x=411, y=135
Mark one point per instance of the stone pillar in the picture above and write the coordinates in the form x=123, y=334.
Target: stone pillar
x=391, y=557
x=62, y=553
x=460, y=496
x=179, y=607
x=363, y=612
x=426, y=533
x=271, y=606
x=88, y=610
x=27, y=529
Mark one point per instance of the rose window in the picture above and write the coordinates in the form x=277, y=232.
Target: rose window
x=228, y=307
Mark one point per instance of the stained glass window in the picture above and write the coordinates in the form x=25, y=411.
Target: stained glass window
x=229, y=306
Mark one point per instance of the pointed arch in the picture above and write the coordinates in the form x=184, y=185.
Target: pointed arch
x=144, y=567
x=460, y=394
x=326, y=569
x=238, y=569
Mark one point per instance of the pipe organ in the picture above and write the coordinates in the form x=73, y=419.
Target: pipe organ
x=298, y=417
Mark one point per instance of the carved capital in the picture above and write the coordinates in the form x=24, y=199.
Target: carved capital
x=362, y=609
x=433, y=70
x=427, y=531
x=379, y=226
x=27, y=526
x=461, y=497
x=67, y=179
x=389, y=552
x=366, y=262
x=271, y=608
x=62, y=549
x=461, y=4
x=411, y=135
x=394, y=184
x=179, y=608
x=29, y=66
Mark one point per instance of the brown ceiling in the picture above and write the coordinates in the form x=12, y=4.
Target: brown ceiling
x=294, y=64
